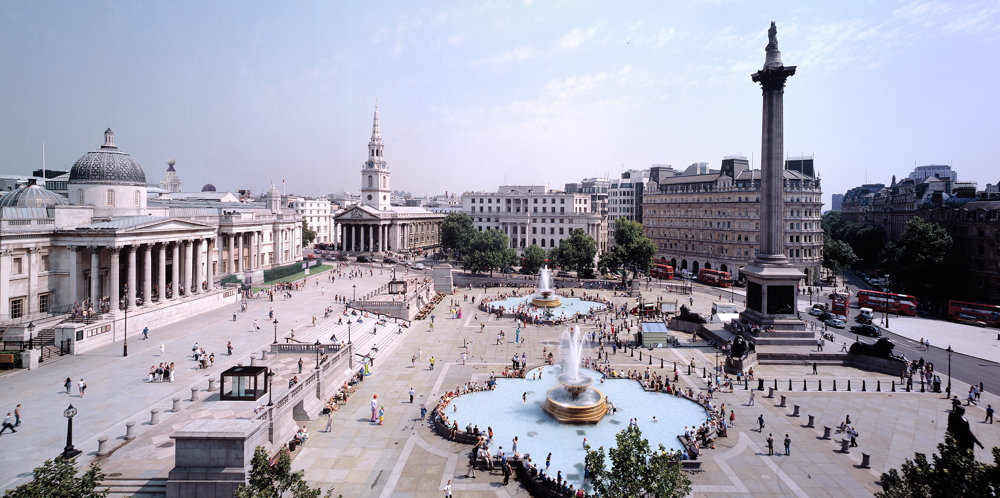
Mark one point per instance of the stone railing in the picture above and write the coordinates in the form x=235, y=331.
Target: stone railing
x=296, y=347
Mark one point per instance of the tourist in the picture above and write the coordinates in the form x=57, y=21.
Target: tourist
x=67, y=384
x=770, y=443
x=760, y=420
x=83, y=387
x=788, y=445
x=8, y=423
x=989, y=414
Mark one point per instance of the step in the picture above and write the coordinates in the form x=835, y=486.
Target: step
x=138, y=488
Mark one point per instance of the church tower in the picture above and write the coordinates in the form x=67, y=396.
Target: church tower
x=375, y=189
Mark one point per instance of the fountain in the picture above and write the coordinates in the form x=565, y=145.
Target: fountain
x=574, y=401
x=546, y=297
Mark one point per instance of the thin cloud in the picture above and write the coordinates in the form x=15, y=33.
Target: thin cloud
x=576, y=37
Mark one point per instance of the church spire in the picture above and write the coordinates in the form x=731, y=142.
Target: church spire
x=376, y=132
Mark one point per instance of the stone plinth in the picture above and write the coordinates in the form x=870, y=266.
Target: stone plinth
x=212, y=457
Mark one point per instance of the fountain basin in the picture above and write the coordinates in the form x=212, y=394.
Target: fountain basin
x=546, y=299
x=582, y=405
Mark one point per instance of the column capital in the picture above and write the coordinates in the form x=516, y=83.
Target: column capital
x=115, y=249
x=73, y=248
x=94, y=248
x=6, y=252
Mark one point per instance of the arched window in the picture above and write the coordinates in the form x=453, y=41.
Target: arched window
x=111, y=197
x=552, y=242
x=369, y=181
x=79, y=198
x=384, y=181
x=135, y=197
x=543, y=242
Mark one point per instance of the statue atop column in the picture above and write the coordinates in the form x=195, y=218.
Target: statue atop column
x=773, y=58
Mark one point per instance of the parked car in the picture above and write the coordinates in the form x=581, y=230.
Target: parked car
x=824, y=316
x=418, y=266
x=836, y=323
x=365, y=259
x=867, y=330
x=817, y=310
x=969, y=320
x=404, y=263
x=390, y=260
x=564, y=274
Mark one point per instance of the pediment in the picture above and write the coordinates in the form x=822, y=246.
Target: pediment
x=357, y=213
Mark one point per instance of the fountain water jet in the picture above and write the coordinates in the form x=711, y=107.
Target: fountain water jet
x=574, y=401
x=546, y=297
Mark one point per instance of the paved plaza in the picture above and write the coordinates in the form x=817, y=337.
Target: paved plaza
x=404, y=457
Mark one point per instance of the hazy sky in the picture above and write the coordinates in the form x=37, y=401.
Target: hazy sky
x=473, y=95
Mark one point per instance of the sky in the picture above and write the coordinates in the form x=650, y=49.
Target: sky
x=473, y=95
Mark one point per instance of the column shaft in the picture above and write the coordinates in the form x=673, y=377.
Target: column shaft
x=175, y=271
x=208, y=264
x=188, y=267
x=147, y=275
x=74, y=275
x=113, y=280
x=161, y=276
x=130, y=294
x=95, y=289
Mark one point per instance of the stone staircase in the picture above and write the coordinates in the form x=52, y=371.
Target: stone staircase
x=121, y=486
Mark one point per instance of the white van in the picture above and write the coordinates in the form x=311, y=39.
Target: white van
x=866, y=312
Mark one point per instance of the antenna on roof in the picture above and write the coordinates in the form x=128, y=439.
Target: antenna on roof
x=43, y=160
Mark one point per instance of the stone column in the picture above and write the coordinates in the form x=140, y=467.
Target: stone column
x=772, y=202
x=33, y=262
x=161, y=277
x=188, y=265
x=74, y=275
x=257, y=239
x=147, y=276
x=130, y=294
x=95, y=275
x=175, y=270
x=5, y=281
x=221, y=256
x=371, y=242
x=240, y=266
x=113, y=280
x=208, y=263
x=231, y=241
x=196, y=264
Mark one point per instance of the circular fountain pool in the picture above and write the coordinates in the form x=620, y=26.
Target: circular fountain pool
x=539, y=434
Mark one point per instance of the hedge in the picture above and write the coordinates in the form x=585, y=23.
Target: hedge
x=284, y=271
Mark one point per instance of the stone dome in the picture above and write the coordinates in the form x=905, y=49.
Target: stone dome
x=107, y=165
x=208, y=188
x=31, y=196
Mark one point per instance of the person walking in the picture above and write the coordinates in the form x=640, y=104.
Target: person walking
x=760, y=421
x=432, y=363
x=989, y=413
x=472, y=464
x=506, y=473
x=412, y=392
x=7, y=424
x=770, y=443
x=423, y=411
x=67, y=384
x=256, y=326
x=329, y=421
x=447, y=489
x=17, y=415
x=752, y=397
x=815, y=371
x=163, y=349
x=300, y=365
x=229, y=348
x=145, y=333
x=83, y=387
x=788, y=445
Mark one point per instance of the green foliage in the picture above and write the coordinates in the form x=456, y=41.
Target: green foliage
x=577, y=253
x=274, y=481
x=308, y=236
x=866, y=241
x=58, y=479
x=636, y=470
x=633, y=250
x=282, y=271
x=953, y=472
x=230, y=279
x=532, y=259
x=456, y=232
x=837, y=255
x=488, y=251
x=917, y=261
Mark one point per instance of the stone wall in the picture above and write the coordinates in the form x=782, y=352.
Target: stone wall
x=891, y=366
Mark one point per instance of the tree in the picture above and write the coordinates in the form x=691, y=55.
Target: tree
x=532, y=259
x=917, y=261
x=633, y=250
x=837, y=255
x=577, y=253
x=58, y=478
x=636, y=471
x=456, y=232
x=308, y=236
x=954, y=472
x=488, y=251
x=274, y=481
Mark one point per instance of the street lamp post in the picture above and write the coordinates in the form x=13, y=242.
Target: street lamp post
x=125, y=342
x=948, y=388
x=355, y=287
x=31, y=335
x=69, y=451
x=348, y=331
x=275, y=330
x=317, y=354
x=270, y=386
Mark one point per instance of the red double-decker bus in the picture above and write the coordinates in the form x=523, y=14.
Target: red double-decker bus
x=715, y=277
x=888, y=302
x=988, y=313
x=661, y=269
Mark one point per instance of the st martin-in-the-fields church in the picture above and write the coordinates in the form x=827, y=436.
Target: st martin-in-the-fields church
x=374, y=225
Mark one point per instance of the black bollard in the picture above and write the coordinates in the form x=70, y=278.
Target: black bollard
x=760, y=384
x=893, y=386
x=633, y=352
x=661, y=362
x=834, y=384
x=789, y=384
x=651, y=360
x=907, y=387
x=863, y=385
x=921, y=383
x=804, y=385
x=848, y=384
x=689, y=369
x=878, y=385
x=704, y=373
x=775, y=384
x=675, y=365
x=640, y=355
x=746, y=384
x=820, y=384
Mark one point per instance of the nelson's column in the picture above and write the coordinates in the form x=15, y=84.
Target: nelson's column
x=771, y=280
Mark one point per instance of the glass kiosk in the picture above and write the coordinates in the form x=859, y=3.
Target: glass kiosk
x=244, y=383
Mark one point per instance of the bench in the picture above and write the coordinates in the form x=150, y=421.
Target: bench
x=691, y=465
x=7, y=359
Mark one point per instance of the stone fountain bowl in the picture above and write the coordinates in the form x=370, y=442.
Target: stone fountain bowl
x=546, y=299
x=575, y=384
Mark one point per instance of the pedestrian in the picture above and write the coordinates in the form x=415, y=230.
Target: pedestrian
x=329, y=421
x=68, y=383
x=17, y=415
x=83, y=387
x=447, y=489
x=229, y=348
x=432, y=363
x=413, y=360
x=770, y=443
x=7, y=424
x=411, y=395
x=423, y=411
x=989, y=413
x=374, y=407
x=256, y=327
x=788, y=445
x=145, y=333
x=234, y=316
x=163, y=349
x=300, y=365
x=760, y=421
x=506, y=473
x=815, y=372
x=472, y=464
x=732, y=417
x=752, y=396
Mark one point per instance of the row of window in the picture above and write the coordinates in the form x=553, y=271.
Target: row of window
x=109, y=198
x=19, y=266
x=17, y=305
